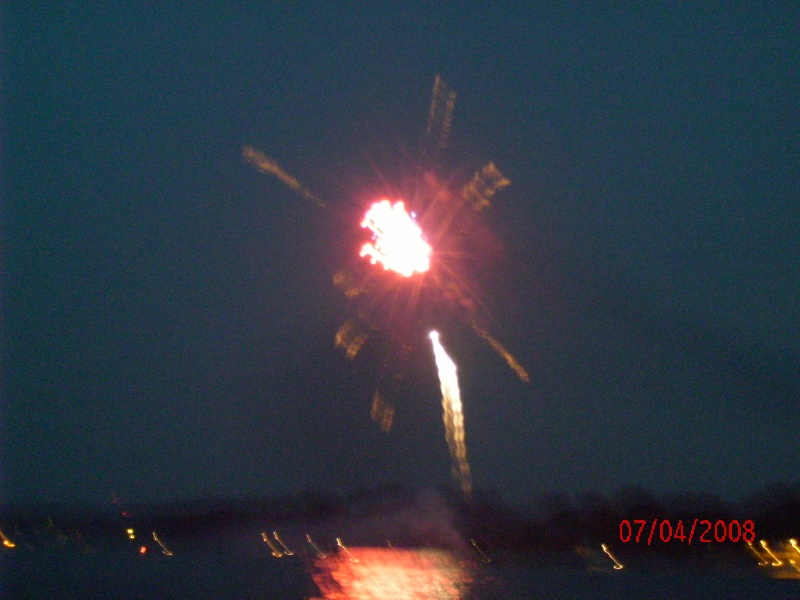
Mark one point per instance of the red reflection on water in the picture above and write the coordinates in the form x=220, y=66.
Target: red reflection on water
x=382, y=573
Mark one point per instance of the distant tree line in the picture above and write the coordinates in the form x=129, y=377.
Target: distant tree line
x=557, y=522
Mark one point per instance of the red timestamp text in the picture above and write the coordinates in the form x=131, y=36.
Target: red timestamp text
x=701, y=530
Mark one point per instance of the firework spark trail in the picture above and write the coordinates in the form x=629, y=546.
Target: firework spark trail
x=440, y=116
x=484, y=184
x=382, y=412
x=501, y=350
x=453, y=415
x=266, y=165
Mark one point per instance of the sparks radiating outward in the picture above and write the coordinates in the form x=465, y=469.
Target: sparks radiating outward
x=432, y=246
x=427, y=240
x=453, y=414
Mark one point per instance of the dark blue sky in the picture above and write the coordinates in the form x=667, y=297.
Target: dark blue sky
x=168, y=311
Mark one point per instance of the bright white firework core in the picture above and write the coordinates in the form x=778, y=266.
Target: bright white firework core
x=397, y=241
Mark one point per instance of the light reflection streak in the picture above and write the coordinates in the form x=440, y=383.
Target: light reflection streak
x=164, y=550
x=761, y=561
x=7, y=542
x=784, y=560
x=320, y=553
x=286, y=550
x=776, y=562
x=484, y=558
x=275, y=552
x=617, y=565
x=383, y=573
x=346, y=551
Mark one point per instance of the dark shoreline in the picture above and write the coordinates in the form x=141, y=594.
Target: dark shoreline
x=557, y=524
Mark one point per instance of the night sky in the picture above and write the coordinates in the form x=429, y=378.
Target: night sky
x=169, y=312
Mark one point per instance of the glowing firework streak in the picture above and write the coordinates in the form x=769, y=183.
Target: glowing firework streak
x=270, y=167
x=382, y=412
x=453, y=415
x=440, y=118
x=501, y=350
x=483, y=185
x=398, y=242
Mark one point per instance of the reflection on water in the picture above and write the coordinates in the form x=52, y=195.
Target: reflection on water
x=382, y=573
x=785, y=561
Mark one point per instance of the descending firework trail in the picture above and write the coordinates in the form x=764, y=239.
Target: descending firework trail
x=453, y=415
x=501, y=350
x=269, y=166
x=440, y=119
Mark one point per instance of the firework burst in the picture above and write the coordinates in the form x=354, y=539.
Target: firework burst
x=426, y=240
x=417, y=271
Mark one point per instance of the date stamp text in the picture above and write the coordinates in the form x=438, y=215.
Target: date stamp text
x=699, y=530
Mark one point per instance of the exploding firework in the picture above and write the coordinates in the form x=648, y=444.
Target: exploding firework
x=397, y=241
x=417, y=272
x=425, y=242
